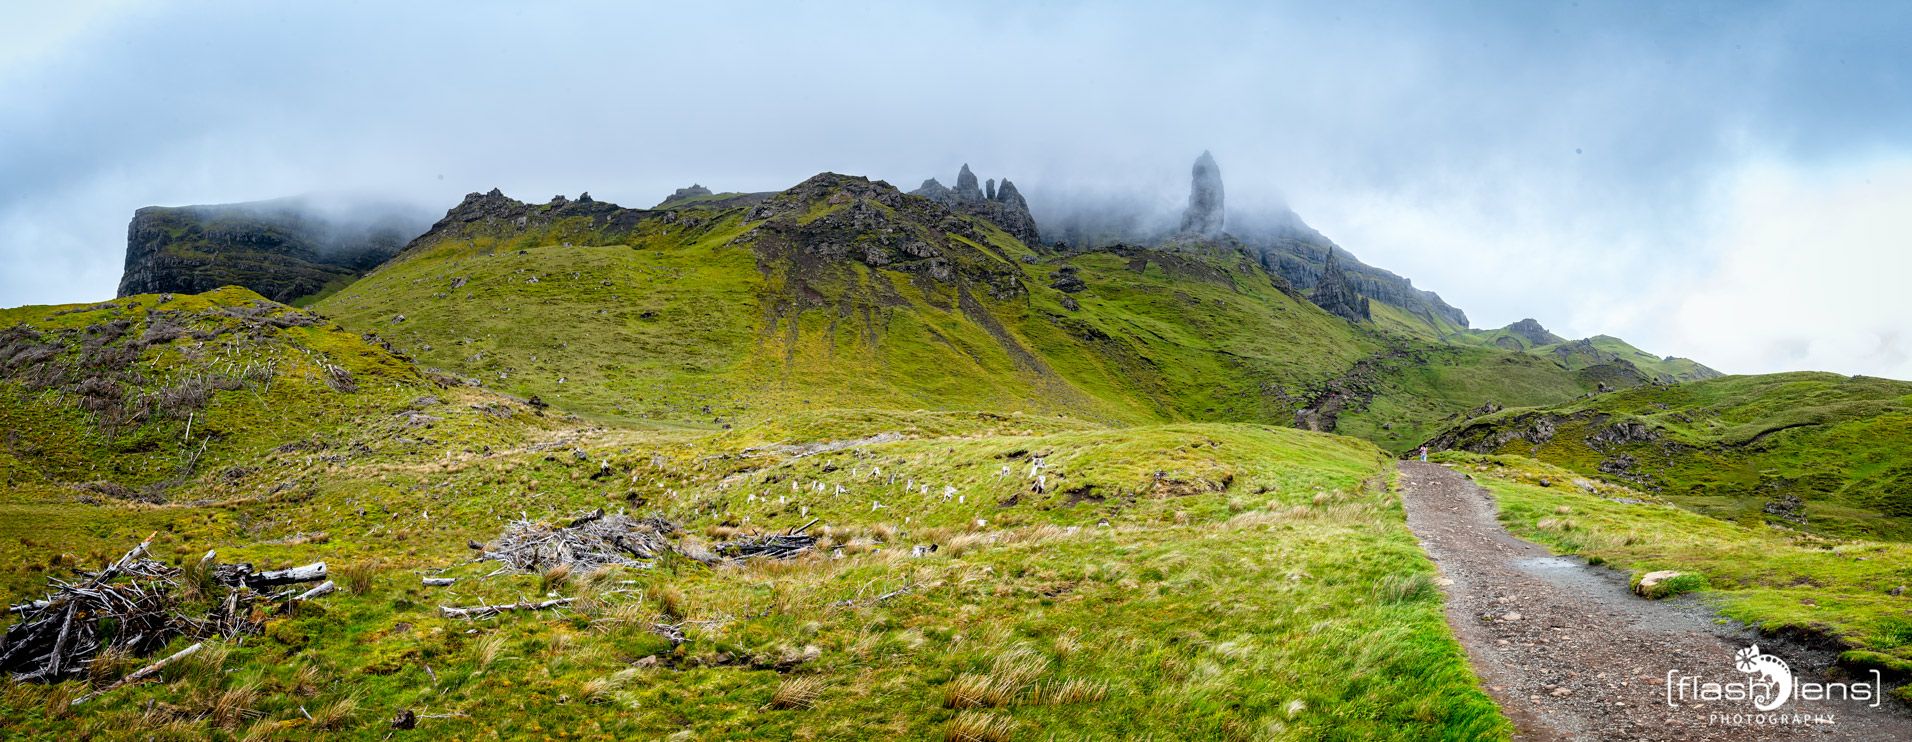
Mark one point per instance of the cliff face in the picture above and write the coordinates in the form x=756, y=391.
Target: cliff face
x=1335, y=293
x=283, y=249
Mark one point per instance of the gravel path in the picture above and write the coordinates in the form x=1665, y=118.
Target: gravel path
x=1570, y=653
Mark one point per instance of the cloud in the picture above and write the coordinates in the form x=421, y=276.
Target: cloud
x=1538, y=159
x=1809, y=271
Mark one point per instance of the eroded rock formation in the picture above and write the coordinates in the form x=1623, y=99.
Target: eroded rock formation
x=1001, y=204
x=1204, y=215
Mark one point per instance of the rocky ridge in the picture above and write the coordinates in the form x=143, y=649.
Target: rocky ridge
x=1002, y=204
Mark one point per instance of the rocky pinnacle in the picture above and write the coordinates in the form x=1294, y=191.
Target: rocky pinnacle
x=1204, y=214
x=966, y=187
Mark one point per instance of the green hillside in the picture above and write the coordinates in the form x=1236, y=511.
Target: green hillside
x=140, y=396
x=1602, y=357
x=1816, y=451
x=845, y=293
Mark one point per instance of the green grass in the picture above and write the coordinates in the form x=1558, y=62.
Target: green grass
x=1727, y=447
x=1776, y=579
x=1251, y=582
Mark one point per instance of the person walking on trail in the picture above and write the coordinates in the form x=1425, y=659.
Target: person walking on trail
x=1424, y=453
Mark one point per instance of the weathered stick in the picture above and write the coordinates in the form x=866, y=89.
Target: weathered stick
x=804, y=527
x=113, y=569
x=139, y=675
x=487, y=611
x=323, y=588
x=439, y=581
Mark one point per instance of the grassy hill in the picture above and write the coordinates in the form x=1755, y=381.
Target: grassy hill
x=1600, y=356
x=845, y=293
x=140, y=396
x=1817, y=451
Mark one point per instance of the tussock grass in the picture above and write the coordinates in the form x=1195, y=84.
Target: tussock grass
x=797, y=693
x=1131, y=629
x=335, y=714
x=972, y=726
x=357, y=577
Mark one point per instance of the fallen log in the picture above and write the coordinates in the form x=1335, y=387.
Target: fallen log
x=487, y=611
x=308, y=573
x=140, y=674
x=439, y=581
x=242, y=575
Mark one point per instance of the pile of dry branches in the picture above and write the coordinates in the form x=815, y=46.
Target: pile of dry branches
x=595, y=540
x=135, y=606
x=769, y=545
x=589, y=541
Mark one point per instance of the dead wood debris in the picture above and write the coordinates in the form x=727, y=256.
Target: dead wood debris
x=595, y=539
x=587, y=542
x=770, y=545
x=137, y=605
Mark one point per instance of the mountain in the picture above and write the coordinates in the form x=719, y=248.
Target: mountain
x=1623, y=364
x=1816, y=451
x=1054, y=486
x=288, y=250
x=839, y=292
x=1274, y=235
x=845, y=292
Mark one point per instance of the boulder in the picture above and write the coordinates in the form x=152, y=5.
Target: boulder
x=1656, y=584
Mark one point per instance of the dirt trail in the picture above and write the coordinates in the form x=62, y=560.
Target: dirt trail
x=1570, y=654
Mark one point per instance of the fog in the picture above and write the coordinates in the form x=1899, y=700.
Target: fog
x=1602, y=167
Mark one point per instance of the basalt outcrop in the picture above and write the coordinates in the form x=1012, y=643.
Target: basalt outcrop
x=1336, y=294
x=283, y=249
x=1001, y=203
x=1205, y=214
x=1531, y=331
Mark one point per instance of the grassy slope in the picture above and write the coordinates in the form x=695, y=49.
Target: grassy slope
x=149, y=394
x=1574, y=358
x=1774, y=578
x=696, y=327
x=1728, y=446
x=1414, y=400
x=1251, y=583
x=663, y=327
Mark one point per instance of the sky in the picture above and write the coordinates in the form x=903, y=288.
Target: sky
x=1726, y=181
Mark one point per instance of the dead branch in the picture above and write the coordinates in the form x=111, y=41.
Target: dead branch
x=487, y=611
x=140, y=674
